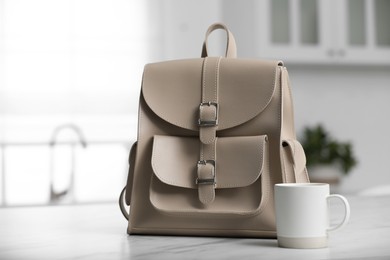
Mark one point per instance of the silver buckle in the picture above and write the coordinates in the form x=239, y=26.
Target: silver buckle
x=209, y=122
x=209, y=181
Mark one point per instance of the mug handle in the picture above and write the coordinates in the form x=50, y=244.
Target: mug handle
x=346, y=214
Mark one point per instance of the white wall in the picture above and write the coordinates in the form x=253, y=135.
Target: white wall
x=353, y=104
x=183, y=24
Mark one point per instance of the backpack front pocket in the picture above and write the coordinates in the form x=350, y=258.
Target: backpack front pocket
x=240, y=165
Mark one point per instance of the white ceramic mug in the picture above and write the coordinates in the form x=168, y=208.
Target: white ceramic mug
x=302, y=217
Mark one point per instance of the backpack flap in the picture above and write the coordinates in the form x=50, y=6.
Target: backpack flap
x=240, y=164
x=173, y=90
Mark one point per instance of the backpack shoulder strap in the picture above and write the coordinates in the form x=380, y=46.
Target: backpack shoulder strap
x=126, y=191
x=294, y=162
x=121, y=204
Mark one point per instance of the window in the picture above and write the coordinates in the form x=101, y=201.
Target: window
x=76, y=63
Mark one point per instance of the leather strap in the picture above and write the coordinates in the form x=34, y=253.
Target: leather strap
x=121, y=204
x=288, y=128
x=294, y=155
x=231, y=48
x=208, y=109
x=207, y=173
x=130, y=176
x=208, y=124
x=126, y=191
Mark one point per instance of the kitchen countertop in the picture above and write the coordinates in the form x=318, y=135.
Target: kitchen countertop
x=98, y=231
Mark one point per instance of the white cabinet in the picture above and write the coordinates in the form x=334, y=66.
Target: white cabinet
x=323, y=31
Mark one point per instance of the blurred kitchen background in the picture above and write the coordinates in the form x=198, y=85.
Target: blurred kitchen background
x=70, y=75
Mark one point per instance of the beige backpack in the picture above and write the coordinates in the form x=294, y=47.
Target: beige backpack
x=214, y=136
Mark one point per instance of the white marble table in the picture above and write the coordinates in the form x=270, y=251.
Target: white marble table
x=98, y=232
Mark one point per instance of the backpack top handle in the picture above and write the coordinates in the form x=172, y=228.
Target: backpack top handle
x=231, y=49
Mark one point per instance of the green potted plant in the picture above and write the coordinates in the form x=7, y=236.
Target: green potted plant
x=327, y=159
